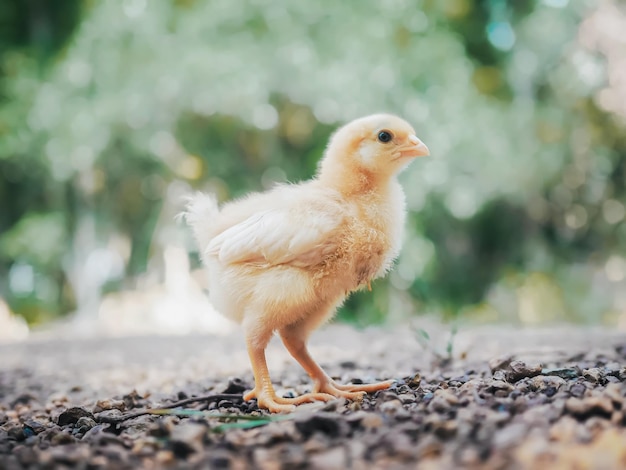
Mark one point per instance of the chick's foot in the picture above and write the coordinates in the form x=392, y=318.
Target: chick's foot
x=352, y=391
x=276, y=404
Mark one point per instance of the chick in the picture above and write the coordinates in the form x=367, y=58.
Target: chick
x=283, y=260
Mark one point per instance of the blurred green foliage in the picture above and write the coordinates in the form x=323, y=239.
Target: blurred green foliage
x=110, y=111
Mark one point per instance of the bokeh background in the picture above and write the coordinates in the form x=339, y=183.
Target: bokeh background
x=110, y=112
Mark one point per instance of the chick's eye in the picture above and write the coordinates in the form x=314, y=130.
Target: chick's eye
x=384, y=136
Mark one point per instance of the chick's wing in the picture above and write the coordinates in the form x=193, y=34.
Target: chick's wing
x=278, y=236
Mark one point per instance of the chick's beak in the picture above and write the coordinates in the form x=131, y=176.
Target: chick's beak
x=415, y=148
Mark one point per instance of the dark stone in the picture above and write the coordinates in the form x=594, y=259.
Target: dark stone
x=83, y=425
x=236, y=385
x=415, y=381
x=220, y=460
x=99, y=434
x=16, y=433
x=25, y=455
x=577, y=390
x=519, y=369
x=550, y=391
x=133, y=400
x=72, y=415
x=23, y=399
x=62, y=438
x=187, y=438
x=330, y=424
x=34, y=426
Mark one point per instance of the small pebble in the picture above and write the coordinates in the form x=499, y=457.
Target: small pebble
x=547, y=384
x=366, y=419
x=25, y=455
x=36, y=426
x=391, y=406
x=615, y=393
x=16, y=433
x=592, y=375
x=187, y=438
x=448, y=396
x=323, y=422
x=414, y=381
x=589, y=405
x=510, y=435
x=165, y=457
x=499, y=385
x=62, y=438
x=577, y=390
x=331, y=459
x=519, y=369
x=105, y=405
x=499, y=363
x=406, y=398
x=84, y=424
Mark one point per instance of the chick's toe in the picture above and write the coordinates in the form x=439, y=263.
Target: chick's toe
x=352, y=391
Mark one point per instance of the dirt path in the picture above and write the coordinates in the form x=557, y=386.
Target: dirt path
x=509, y=398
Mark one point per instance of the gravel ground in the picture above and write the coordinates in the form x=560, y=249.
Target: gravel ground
x=506, y=398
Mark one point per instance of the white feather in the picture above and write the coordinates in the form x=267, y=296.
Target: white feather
x=276, y=237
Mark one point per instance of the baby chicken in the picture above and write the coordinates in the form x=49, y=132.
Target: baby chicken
x=283, y=260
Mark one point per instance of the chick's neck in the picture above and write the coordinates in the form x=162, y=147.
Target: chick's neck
x=352, y=180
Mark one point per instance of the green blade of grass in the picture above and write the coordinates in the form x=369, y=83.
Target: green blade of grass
x=242, y=425
x=233, y=421
x=424, y=334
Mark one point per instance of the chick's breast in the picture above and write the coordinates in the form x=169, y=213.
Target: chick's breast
x=375, y=236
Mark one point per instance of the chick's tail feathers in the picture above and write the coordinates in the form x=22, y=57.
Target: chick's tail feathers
x=201, y=211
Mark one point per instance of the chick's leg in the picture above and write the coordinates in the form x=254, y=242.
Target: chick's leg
x=294, y=337
x=257, y=339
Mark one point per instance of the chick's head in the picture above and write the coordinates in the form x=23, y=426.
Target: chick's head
x=380, y=145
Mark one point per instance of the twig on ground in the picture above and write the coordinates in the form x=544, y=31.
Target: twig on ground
x=159, y=411
x=207, y=398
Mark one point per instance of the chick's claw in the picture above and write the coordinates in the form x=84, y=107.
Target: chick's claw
x=352, y=391
x=276, y=404
x=367, y=388
x=332, y=389
x=273, y=406
x=306, y=398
